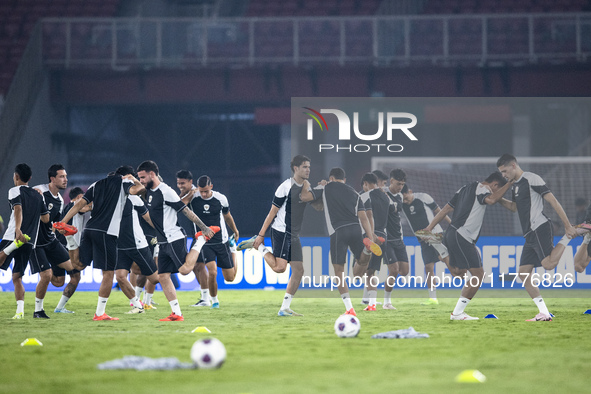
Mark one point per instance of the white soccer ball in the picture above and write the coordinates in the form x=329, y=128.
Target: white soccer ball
x=208, y=353
x=347, y=326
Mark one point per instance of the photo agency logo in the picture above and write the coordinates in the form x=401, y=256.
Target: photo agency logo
x=391, y=126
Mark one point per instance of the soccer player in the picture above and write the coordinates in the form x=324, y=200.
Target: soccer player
x=163, y=205
x=344, y=212
x=286, y=215
x=212, y=207
x=99, y=239
x=468, y=206
x=396, y=256
x=377, y=205
x=49, y=251
x=73, y=246
x=184, y=182
x=528, y=195
x=420, y=208
x=27, y=209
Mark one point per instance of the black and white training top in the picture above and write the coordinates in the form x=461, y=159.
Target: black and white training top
x=55, y=205
x=33, y=207
x=108, y=198
x=420, y=212
x=341, y=204
x=131, y=235
x=378, y=202
x=291, y=208
x=164, y=205
x=394, y=227
x=469, y=208
x=211, y=211
x=528, y=192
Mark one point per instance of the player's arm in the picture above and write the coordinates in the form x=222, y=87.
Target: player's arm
x=74, y=210
x=498, y=195
x=187, y=198
x=510, y=205
x=365, y=224
x=268, y=220
x=148, y=219
x=45, y=218
x=137, y=187
x=229, y=219
x=18, y=221
x=568, y=228
x=195, y=219
x=87, y=208
x=369, y=214
x=437, y=210
x=307, y=195
x=439, y=217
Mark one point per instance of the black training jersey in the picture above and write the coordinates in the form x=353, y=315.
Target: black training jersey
x=164, y=204
x=378, y=202
x=341, y=204
x=394, y=227
x=131, y=235
x=32, y=206
x=420, y=212
x=528, y=192
x=469, y=208
x=211, y=211
x=55, y=206
x=108, y=198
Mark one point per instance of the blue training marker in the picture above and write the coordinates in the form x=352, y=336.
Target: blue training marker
x=490, y=316
x=551, y=315
x=587, y=312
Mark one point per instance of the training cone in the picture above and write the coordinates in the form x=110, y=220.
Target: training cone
x=490, y=316
x=471, y=376
x=31, y=342
x=202, y=329
x=587, y=312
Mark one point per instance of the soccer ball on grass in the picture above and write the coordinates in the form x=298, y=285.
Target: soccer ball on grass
x=208, y=353
x=347, y=326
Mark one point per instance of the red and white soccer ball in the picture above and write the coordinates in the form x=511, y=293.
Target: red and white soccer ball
x=347, y=326
x=208, y=353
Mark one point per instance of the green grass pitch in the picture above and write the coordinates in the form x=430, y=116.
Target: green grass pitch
x=269, y=354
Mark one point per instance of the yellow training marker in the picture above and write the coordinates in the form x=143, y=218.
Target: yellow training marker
x=31, y=342
x=471, y=376
x=202, y=329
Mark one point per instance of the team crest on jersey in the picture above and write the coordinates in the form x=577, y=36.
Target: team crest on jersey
x=516, y=191
x=206, y=207
x=50, y=206
x=412, y=209
x=150, y=200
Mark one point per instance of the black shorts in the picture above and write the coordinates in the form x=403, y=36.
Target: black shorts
x=430, y=255
x=343, y=238
x=463, y=254
x=396, y=251
x=98, y=248
x=538, y=245
x=220, y=253
x=48, y=256
x=21, y=257
x=171, y=256
x=142, y=257
x=286, y=246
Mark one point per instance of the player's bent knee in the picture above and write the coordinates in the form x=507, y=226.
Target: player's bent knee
x=58, y=281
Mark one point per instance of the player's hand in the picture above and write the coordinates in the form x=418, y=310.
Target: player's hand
x=18, y=235
x=322, y=182
x=258, y=241
x=208, y=233
x=236, y=236
x=571, y=232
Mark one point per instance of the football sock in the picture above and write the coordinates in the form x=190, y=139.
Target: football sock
x=263, y=249
x=136, y=302
x=387, y=297
x=367, y=251
x=148, y=298
x=373, y=294
x=10, y=248
x=101, y=306
x=138, y=291
x=38, y=304
x=433, y=293
x=564, y=240
x=199, y=243
x=286, y=301
x=20, y=306
x=214, y=299
x=441, y=249
x=539, y=301
x=347, y=300
x=461, y=305
x=176, y=308
x=365, y=294
x=63, y=301
x=205, y=294
x=587, y=239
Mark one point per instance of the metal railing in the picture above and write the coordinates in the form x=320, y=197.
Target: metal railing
x=381, y=40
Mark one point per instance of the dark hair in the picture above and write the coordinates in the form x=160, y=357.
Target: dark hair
x=404, y=188
x=148, y=166
x=24, y=172
x=337, y=173
x=580, y=201
x=184, y=174
x=298, y=161
x=506, y=159
x=398, y=174
x=75, y=192
x=496, y=177
x=203, y=181
x=125, y=170
x=380, y=174
x=370, y=178
x=52, y=172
